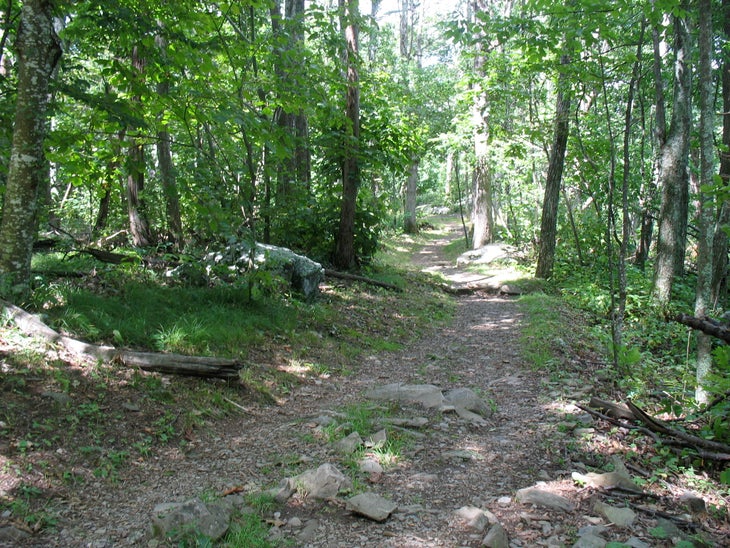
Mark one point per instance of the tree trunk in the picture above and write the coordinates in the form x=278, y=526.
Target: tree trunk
x=549, y=219
x=167, y=169
x=38, y=52
x=410, y=223
x=706, y=214
x=720, y=242
x=345, y=246
x=672, y=172
x=136, y=207
x=481, y=213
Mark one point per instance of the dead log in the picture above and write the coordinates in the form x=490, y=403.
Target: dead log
x=615, y=410
x=108, y=256
x=706, y=325
x=175, y=364
x=363, y=279
x=719, y=451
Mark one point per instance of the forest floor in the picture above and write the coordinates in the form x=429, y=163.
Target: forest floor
x=535, y=436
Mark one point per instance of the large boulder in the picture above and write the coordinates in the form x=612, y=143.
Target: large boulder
x=302, y=273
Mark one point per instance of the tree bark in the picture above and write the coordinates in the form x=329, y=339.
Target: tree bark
x=481, y=212
x=549, y=219
x=345, y=245
x=672, y=171
x=167, y=168
x=410, y=223
x=139, y=225
x=706, y=213
x=38, y=52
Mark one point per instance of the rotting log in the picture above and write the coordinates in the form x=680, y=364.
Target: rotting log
x=175, y=364
x=363, y=279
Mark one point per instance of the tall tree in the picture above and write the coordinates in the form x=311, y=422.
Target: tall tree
x=672, y=176
x=549, y=219
x=38, y=52
x=481, y=213
x=345, y=242
x=706, y=213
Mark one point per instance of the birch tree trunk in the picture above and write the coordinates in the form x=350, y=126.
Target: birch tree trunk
x=38, y=52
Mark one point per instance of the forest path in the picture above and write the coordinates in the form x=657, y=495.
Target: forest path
x=454, y=464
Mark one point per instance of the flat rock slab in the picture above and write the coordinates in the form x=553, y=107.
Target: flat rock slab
x=466, y=398
x=427, y=395
x=372, y=506
x=544, y=499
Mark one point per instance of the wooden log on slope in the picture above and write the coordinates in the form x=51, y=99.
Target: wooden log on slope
x=175, y=364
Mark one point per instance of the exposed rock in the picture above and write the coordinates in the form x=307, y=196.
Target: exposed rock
x=496, y=537
x=378, y=439
x=416, y=422
x=486, y=254
x=545, y=499
x=466, y=398
x=474, y=518
x=609, y=480
x=371, y=505
x=59, y=397
x=210, y=520
x=470, y=416
x=427, y=395
x=323, y=483
x=302, y=273
x=10, y=535
x=370, y=466
x=349, y=444
x=590, y=541
x=621, y=517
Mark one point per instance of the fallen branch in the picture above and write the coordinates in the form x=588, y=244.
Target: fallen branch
x=706, y=325
x=715, y=449
x=176, y=364
x=356, y=278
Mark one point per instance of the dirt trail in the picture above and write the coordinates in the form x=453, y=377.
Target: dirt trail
x=520, y=445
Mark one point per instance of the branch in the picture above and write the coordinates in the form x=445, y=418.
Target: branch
x=706, y=325
x=356, y=278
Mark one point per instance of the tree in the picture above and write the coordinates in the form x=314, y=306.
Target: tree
x=344, y=256
x=549, y=219
x=706, y=213
x=672, y=176
x=38, y=52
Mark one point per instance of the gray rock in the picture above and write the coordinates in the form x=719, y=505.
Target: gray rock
x=169, y=520
x=378, y=439
x=466, y=398
x=590, y=541
x=636, y=542
x=470, y=416
x=473, y=517
x=10, y=535
x=370, y=466
x=496, y=537
x=427, y=395
x=309, y=532
x=58, y=397
x=302, y=273
x=416, y=422
x=621, y=517
x=545, y=499
x=323, y=483
x=371, y=506
x=349, y=444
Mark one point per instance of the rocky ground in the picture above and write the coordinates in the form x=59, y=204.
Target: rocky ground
x=460, y=481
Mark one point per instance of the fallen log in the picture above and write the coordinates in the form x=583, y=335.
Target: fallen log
x=721, y=451
x=175, y=364
x=356, y=278
x=706, y=325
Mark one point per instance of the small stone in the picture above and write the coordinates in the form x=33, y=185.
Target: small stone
x=504, y=501
x=474, y=518
x=349, y=444
x=295, y=522
x=370, y=466
x=378, y=439
x=371, y=506
x=621, y=517
x=496, y=537
x=539, y=497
